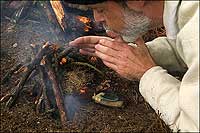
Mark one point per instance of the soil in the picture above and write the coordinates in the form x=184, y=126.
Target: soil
x=135, y=116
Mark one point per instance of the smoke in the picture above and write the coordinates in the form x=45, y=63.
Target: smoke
x=72, y=105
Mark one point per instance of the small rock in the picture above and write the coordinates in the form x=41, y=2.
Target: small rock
x=38, y=122
x=15, y=45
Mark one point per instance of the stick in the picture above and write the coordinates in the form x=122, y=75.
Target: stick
x=47, y=88
x=14, y=93
x=57, y=92
x=65, y=52
x=10, y=73
x=88, y=65
x=49, y=99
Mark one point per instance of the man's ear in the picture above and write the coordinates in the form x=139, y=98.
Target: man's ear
x=135, y=5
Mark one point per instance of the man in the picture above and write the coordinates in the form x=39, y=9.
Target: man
x=177, y=101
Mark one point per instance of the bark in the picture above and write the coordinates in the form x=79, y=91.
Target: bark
x=46, y=50
x=10, y=73
x=57, y=92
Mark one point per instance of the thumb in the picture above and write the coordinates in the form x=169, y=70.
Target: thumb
x=115, y=36
x=112, y=34
x=140, y=42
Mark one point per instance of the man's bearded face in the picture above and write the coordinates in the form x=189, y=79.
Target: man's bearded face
x=135, y=24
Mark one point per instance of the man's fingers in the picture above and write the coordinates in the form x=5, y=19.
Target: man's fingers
x=92, y=50
x=110, y=65
x=83, y=45
x=114, y=45
x=87, y=40
x=107, y=50
x=115, y=36
x=85, y=52
x=105, y=57
x=112, y=34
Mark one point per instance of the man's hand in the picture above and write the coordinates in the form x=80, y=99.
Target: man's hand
x=87, y=44
x=128, y=61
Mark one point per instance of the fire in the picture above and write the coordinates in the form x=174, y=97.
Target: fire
x=93, y=59
x=86, y=28
x=83, y=90
x=58, y=10
x=86, y=21
x=83, y=19
x=63, y=61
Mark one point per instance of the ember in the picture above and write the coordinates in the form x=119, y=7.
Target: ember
x=56, y=80
x=86, y=21
x=83, y=90
x=63, y=61
x=93, y=59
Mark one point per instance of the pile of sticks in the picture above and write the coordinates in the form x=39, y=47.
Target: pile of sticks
x=45, y=63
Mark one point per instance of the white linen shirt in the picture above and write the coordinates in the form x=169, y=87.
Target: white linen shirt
x=177, y=101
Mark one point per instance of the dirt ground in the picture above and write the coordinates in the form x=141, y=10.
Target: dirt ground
x=135, y=116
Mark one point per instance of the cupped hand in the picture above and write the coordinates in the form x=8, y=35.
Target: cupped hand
x=87, y=44
x=128, y=61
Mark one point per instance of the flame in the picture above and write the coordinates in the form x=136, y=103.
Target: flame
x=93, y=59
x=83, y=19
x=63, y=61
x=86, y=28
x=83, y=90
x=86, y=21
x=58, y=10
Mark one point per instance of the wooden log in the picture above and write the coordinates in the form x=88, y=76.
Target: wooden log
x=47, y=89
x=65, y=52
x=59, y=12
x=57, y=92
x=46, y=50
x=48, y=95
x=42, y=101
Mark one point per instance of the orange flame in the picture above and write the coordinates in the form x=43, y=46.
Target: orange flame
x=83, y=90
x=93, y=59
x=83, y=19
x=58, y=10
x=86, y=21
x=63, y=61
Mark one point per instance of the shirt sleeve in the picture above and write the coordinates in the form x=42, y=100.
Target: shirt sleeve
x=161, y=90
x=164, y=53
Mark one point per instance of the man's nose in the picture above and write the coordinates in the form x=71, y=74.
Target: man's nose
x=98, y=16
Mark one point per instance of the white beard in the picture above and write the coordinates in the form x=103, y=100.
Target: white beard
x=135, y=25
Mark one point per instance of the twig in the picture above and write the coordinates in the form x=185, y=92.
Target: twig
x=65, y=52
x=10, y=73
x=14, y=93
x=88, y=65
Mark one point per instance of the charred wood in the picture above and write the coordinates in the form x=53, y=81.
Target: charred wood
x=57, y=92
x=10, y=73
x=28, y=69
